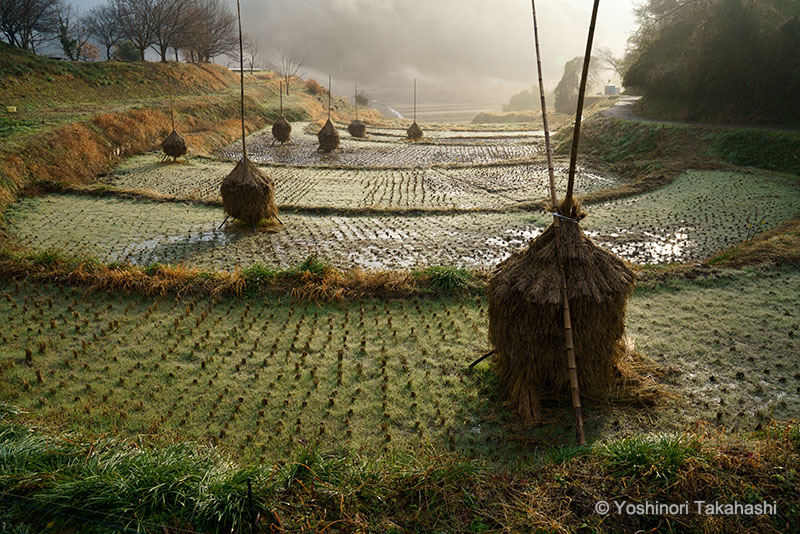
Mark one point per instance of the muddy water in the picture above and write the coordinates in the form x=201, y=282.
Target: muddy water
x=386, y=148
x=659, y=227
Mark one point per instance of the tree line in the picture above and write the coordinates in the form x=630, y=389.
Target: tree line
x=718, y=55
x=196, y=30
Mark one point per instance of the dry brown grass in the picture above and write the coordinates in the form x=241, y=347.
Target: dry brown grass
x=779, y=246
x=332, y=285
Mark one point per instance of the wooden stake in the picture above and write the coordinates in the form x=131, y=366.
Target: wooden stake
x=241, y=74
x=569, y=345
x=573, y=158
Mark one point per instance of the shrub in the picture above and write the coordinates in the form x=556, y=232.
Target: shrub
x=313, y=87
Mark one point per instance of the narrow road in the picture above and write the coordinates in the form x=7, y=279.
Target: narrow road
x=625, y=109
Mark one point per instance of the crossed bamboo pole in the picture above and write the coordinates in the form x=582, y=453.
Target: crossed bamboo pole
x=569, y=344
x=241, y=75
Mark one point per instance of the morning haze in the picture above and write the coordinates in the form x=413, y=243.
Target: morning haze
x=472, y=51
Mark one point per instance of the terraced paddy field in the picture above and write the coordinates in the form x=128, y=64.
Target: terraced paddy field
x=475, y=187
x=260, y=378
x=302, y=150
x=696, y=215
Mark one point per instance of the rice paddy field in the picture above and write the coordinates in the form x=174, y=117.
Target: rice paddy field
x=671, y=224
x=495, y=187
x=263, y=375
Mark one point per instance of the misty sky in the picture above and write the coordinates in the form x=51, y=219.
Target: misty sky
x=443, y=43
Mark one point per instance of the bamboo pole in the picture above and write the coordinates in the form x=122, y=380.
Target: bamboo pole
x=568, y=341
x=573, y=158
x=356, y=89
x=415, y=100
x=281, y=94
x=241, y=74
x=329, y=97
x=171, y=111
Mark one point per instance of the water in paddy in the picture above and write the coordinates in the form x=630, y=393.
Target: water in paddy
x=666, y=225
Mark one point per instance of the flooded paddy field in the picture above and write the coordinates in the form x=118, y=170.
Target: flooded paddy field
x=494, y=187
x=700, y=213
x=389, y=150
x=257, y=377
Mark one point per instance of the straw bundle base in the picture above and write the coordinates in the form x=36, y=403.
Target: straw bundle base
x=414, y=132
x=281, y=130
x=174, y=145
x=526, y=318
x=358, y=129
x=328, y=137
x=248, y=194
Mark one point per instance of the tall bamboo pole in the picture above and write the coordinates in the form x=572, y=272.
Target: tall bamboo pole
x=171, y=111
x=329, y=97
x=573, y=159
x=241, y=74
x=415, y=100
x=568, y=341
x=355, y=87
x=281, y=94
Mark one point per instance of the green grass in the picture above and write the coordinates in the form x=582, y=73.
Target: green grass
x=261, y=376
x=445, y=277
x=660, y=457
x=11, y=125
x=56, y=481
x=774, y=151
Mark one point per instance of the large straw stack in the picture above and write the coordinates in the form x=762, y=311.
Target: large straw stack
x=526, y=324
x=328, y=137
x=281, y=129
x=174, y=145
x=247, y=193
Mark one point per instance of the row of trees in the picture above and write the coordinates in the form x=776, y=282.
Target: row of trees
x=726, y=54
x=199, y=29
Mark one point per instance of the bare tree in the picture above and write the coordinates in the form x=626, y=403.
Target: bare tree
x=212, y=32
x=171, y=20
x=26, y=23
x=136, y=17
x=72, y=33
x=251, y=49
x=290, y=61
x=104, y=26
x=609, y=60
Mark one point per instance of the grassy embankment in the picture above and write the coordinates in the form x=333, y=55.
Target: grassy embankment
x=76, y=120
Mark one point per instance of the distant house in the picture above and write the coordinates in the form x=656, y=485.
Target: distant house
x=611, y=90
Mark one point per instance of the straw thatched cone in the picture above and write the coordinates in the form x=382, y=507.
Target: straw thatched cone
x=414, y=132
x=248, y=194
x=328, y=137
x=174, y=145
x=526, y=322
x=281, y=130
x=357, y=128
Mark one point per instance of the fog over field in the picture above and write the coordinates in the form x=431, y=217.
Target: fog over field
x=471, y=54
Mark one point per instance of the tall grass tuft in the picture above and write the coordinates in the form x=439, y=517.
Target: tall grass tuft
x=661, y=456
x=445, y=277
